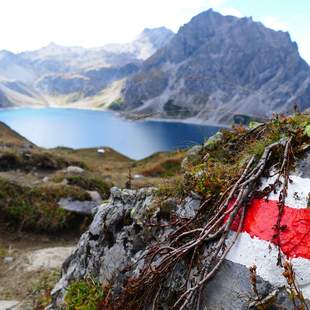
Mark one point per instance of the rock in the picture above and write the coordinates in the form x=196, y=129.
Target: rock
x=192, y=155
x=195, y=150
x=303, y=167
x=189, y=208
x=95, y=196
x=74, y=169
x=231, y=289
x=138, y=176
x=185, y=78
x=118, y=237
x=27, y=145
x=210, y=143
x=64, y=182
x=45, y=179
x=8, y=304
x=114, y=239
x=81, y=207
x=8, y=259
x=46, y=259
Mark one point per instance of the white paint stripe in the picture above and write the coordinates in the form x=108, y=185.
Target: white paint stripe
x=298, y=191
x=248, y=251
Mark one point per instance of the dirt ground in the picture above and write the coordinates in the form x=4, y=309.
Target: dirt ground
x=21, y=275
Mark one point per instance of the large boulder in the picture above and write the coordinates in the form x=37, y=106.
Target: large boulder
x=120, y=235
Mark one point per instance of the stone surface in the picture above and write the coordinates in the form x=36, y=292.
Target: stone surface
x=303, y=167
x=95, y=196
x=119, y=237
x=231, y=289
x=45, y=259
x=74, y=169
x=8, y=259
x=112, y=241
x=81, y=207
x=8, y=304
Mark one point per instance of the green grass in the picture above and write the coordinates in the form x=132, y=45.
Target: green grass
x=3, y=252
x=90, y=183
x=41, y=293
x=228, y=156
x=38, y=159
x=36, y=209
x=84, y=295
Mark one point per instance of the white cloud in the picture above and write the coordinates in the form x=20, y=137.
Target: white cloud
x=33, y=23
x=304, y=47
x=231, y=11
x=221, y=6
x=274, y=23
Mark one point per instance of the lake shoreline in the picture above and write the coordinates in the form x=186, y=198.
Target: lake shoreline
x=51, y=127
x=190, y=121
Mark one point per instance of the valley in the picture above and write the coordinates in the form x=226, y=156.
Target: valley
x=168, y=172
x=214, y=68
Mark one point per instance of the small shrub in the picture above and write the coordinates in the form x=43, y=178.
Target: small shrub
x=167, y=168
x=37, y=209
x=84, y=295
x=91, y=184
x=42, y=290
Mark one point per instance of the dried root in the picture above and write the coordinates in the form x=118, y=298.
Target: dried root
x=192, y=240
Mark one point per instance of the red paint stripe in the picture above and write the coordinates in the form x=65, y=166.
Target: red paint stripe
x=261, y=218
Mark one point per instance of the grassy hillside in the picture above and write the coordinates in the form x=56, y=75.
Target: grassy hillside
x=33, y=179
x=9, y=137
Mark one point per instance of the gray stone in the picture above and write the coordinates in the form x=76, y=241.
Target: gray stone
x=8, y=259
x=303, y=167
x=81, y=207
x=138, y=176
x=95, y=196
x=209, y=144
x=9, y=304
x=74, y=169
x=109, y=244
x=118, y=237
x=231, y=289
x=195, y=150
x=64, y=182
x=192, y=155
x=189, y=208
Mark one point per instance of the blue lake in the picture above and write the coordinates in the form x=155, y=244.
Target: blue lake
x=52, y=127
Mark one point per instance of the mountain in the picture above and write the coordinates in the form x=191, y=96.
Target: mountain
x=13, y=67
x=145, y=45
x=72, y=75
x=218, y=66
x=216, y=69
x=14, y=93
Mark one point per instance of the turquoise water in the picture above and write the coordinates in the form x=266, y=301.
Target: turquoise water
x=52, y=127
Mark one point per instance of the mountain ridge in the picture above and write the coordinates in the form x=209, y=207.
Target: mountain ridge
x=217, y=66
x=213, y=69
x=55, y=71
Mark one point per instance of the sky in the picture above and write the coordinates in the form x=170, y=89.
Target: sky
x=31, y=24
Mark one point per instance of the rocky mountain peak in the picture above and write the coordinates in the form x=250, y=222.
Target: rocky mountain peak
x=217, y=66
x=156, y=36
x=6, y=54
